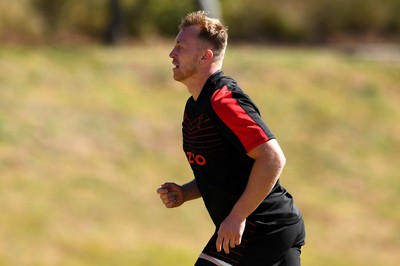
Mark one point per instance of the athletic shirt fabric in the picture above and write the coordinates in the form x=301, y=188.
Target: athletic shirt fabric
x=219, y=128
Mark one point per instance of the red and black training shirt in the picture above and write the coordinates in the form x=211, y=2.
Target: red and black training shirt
x=219, y=128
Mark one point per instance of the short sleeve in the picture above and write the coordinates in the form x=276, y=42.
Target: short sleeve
x=241, y=116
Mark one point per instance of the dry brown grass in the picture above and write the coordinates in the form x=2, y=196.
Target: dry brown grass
x=88, y=133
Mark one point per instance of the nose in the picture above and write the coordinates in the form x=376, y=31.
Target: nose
x=172, y=53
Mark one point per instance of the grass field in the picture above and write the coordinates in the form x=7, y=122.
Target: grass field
x=88, y=133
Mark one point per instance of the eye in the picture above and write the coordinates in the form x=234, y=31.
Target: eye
x=180, y=46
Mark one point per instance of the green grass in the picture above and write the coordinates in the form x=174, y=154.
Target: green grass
x=88, y=133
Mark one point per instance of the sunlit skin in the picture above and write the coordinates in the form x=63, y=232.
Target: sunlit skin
x=193, y=59
x=194, y=63
x=268, y=165
x=186, y=55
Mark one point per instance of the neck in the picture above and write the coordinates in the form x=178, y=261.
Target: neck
x=196, y=85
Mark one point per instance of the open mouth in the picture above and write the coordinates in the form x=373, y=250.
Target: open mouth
x=175, y=64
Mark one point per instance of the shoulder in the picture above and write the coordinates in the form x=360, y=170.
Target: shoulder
x=218, y=80
x=227, y=91
x=222, y=80
x=226, y=82
x=225, y=87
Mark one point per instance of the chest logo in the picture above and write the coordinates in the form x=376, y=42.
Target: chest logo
x=195, y=158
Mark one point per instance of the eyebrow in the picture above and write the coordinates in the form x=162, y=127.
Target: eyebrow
x=180, y=41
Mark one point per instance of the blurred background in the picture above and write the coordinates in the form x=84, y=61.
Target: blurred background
x=90, y=126
x=309, y=21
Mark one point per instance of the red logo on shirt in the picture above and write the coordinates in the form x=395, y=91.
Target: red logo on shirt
x=195, y=158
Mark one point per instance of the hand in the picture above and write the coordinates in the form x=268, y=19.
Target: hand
x=171, y=195
x=230, y=233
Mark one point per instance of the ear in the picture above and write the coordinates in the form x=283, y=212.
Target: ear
x=207, y=56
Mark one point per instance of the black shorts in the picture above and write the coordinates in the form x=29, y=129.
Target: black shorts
x=267, y=246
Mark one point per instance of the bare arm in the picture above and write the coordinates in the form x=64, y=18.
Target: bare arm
x=268, y=165
x=173, y=195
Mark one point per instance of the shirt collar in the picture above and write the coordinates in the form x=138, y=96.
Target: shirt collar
x=209, y=83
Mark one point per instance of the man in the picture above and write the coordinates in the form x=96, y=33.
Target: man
x=235, y=158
